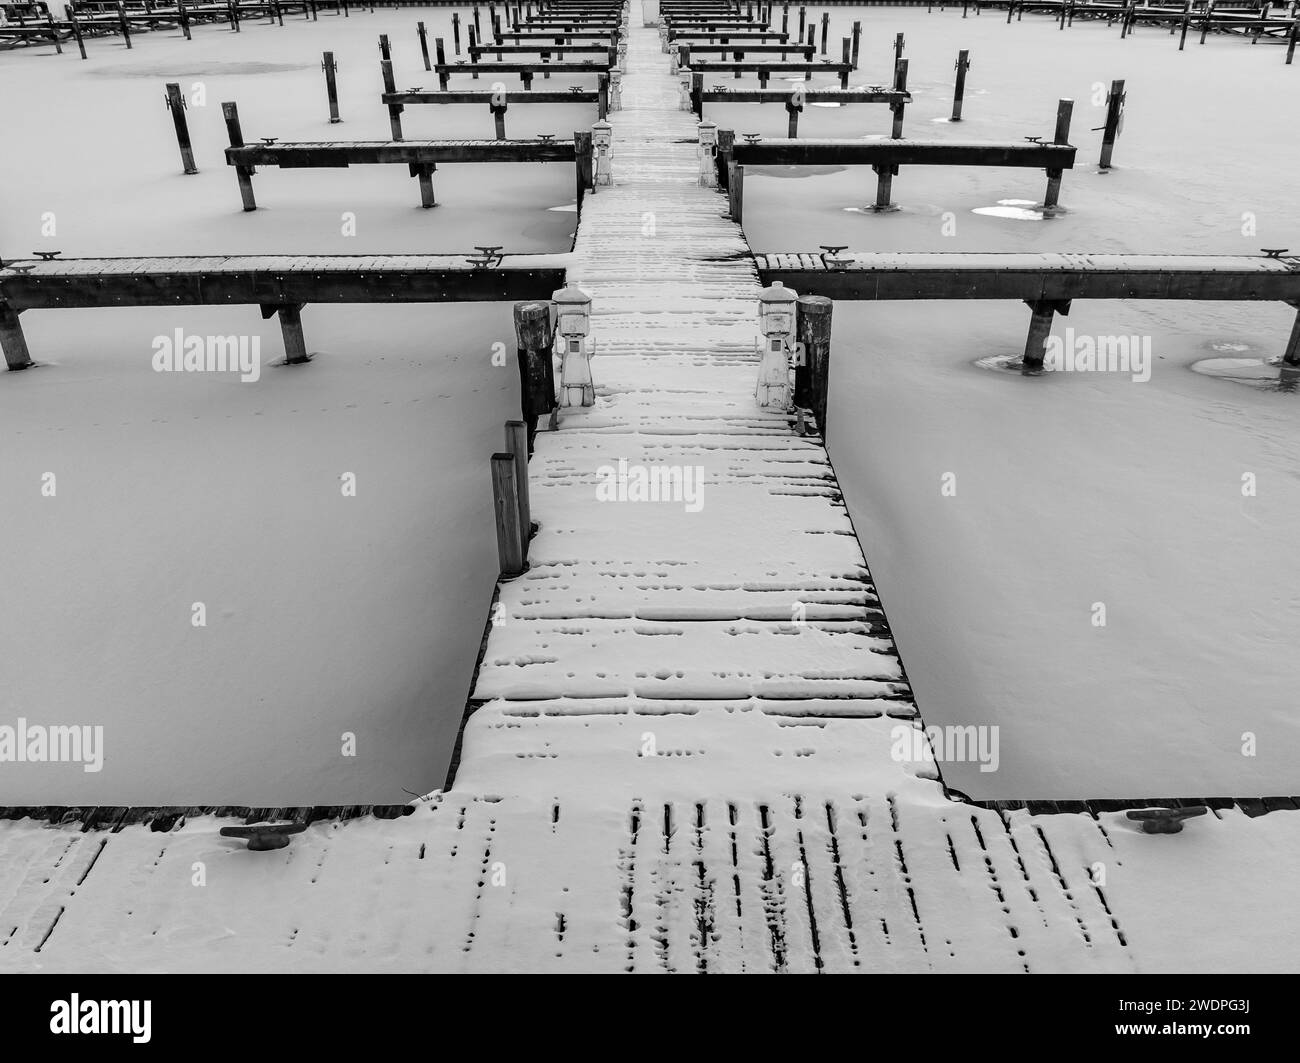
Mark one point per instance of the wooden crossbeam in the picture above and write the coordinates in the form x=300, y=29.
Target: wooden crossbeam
x=329, y=154
x=902, y=152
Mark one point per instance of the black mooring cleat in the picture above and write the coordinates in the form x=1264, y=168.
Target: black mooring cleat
x=264, y=836
x=1164, y=820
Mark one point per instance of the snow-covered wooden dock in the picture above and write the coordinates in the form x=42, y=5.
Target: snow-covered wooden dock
x=684, y=754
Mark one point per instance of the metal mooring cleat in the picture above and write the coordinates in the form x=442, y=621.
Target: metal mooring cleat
x=1164, y=820
x=265, y=836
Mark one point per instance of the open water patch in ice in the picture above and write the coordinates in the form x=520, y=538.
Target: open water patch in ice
x=1263, y=374
x=1016, y=209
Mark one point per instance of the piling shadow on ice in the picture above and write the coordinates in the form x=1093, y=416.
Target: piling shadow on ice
x=202, y=68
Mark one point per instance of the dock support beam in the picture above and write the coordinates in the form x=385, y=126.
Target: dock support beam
x=959, y=91
x=736, y=191
x=176, y=104
x=505, y=498
x=1040, y=328
x=813, y=358
x=1291, y=356
x=424, y=171
x=583, y=164
x=295, y=345
x=12, y=340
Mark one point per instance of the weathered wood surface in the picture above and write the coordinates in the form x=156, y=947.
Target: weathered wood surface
x=307, y=154
x=949, y=275
x=274, y=279
x=840, y=96
x=903, y=152
x=489, y=96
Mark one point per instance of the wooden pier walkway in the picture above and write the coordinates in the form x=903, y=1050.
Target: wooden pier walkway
x=682, y=754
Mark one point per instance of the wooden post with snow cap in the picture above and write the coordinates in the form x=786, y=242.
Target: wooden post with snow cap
x=12, y=340
x=243, y=174
x=505, y=499
x=1064, y=109
x=776, y=321
x=518, y=443
x=176, y=104
x=533, y=343
x=573, y=325
x=394, y=109
x=1114, y=115
x=793, y=106
x=331, y=86
x=959, y=91
x=813, y=356
x=898, y=106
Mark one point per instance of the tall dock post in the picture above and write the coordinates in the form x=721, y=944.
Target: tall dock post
x=424, y=43
x=1114, y=112
x=440, y=51
x=857, y=42
x=331, y=86
x=898, y=106
x=826, y=28
x=517, y=444
x=505, y=499
x=185, y=19
x=394, y=109
x=295, y=344
x=533, y=341
x=71, y=15
x=1064, y=109
x=959, y=92
x=176, y=104
x=244, y=174
x=455, y=31
x=813, y=363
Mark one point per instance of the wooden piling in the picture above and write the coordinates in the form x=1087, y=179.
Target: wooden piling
x=726, y=142
x=440, y=51
x=803, y=20
x=455, y=31
x=857, y=43
x=899, y=42
x=243, y=174
x=331, y=86
x=176, y=104
x=505, y=498
x=71, y=16
x=1291, y=356
x=785, y=18
x=884, y=184
x=584, y=164
x=295, y=345
x=697, y=94
x=1291, y=39
x=602, y=95
x=517, y=444
x=122, y=22
x=499, y=118
x=959, y=91
x=1114, y=109
x=846, y=50
x=394, y=109
x=1064, y=109
x=736, y=191
x=12, y=340
x=826, y=28
x=533, y=340
x=812, y=372
x=793, y=107
x=424, y=43
x=1209, y=17
x=185, y=19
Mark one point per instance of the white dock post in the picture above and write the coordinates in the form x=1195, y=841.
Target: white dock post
x=602, y=144
x=573, y=325
x=776, y=319
x=708, y=154
x=616, y=90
